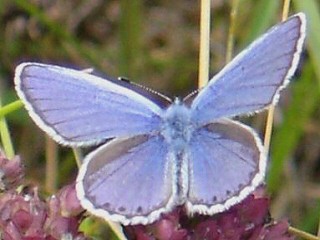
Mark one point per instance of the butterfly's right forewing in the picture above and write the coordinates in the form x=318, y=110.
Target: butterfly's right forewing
x=77, y=108
x=254, y=78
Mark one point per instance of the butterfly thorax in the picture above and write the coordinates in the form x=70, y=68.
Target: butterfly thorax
x=177, y=127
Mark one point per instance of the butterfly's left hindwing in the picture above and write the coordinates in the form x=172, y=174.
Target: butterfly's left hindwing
x=131, y=181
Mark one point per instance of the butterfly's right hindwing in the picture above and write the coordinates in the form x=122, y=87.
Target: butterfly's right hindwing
x=227, y=162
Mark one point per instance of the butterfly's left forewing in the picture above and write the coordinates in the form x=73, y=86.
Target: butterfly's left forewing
x=129, y=180
x=79, y=109
x=226, y=163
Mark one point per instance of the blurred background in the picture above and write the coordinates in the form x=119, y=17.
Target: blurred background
x=156, y=43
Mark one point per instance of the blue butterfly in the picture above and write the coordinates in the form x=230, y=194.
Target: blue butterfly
x=165, y=153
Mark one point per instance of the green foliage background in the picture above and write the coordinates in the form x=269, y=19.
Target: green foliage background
x=156, y=44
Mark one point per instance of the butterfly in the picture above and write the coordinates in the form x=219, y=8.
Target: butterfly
x=164, y=153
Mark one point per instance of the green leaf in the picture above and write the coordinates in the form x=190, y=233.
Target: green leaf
x=311, y=9
x=262, y=18
x=305, y=99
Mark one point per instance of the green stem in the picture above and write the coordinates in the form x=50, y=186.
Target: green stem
x=204, y=51
x=230, y=43
x=5, y=138
x=11, y=107
x=302, y=234
x=51, y=165
x=78, y=156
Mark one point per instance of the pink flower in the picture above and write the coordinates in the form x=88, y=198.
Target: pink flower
x=11, y=172
x=24, y=216
x=69, y=203
x=247, y=220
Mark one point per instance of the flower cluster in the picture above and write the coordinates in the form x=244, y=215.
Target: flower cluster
x=248, y=220
x=23, y=215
